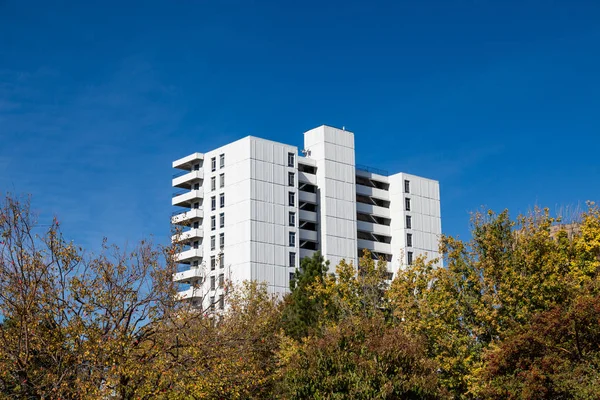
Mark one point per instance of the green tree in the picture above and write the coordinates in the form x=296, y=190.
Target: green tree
x=301, y=309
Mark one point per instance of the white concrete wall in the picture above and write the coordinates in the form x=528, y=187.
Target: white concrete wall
x=425, y=213
x=333, y=151
x=269, y=211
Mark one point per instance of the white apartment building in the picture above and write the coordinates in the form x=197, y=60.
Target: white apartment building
x=250, y=210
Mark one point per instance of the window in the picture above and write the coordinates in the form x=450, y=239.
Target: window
x=221, y=220
x=212, y=302
x=291, y=179
x=196, y=167
x=213, y=242
x=196, y=225
x=222, y=161
x=290, y=159
x=292, y=239
x=292, y=277
x=222, y=261
x=213, y=183
x=222, y=200
x=213, y=164
x=407, y=204
x=221, y=239
x=221, y=280
x=195, y=264
x=292, y=198
x=221, y=302
x=222, y=180
x=213, y=222
x=409, y=258
x=213, y=263
x=212, y=286
x=292, y=259
x=292, y=218
x=196, y=186
x=213, y=203
x=196, y=205
x=406, y=186
x=409, y=239
x=408, y=222
x=196, y=244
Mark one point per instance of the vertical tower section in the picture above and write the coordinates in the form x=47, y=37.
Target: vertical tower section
x=416, y=223
x=274, y=215
x=332, y=150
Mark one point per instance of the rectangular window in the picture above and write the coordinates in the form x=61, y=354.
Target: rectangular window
x=222, y=180
x=213, y=242
x=406, y=186
x=194, y=263
x=213, y=183
x=221, y=280
x=292, y=199
x=213, y=263
x=409, y=258
x=409, y=239
x=290, y=159
x=213, y=203
x=196, y=225
x=222, y=200
x=291, y=181
x=292, y=260
x=212, y=302
x=213, y=164
x=292, y=238
x=222, y=260
x=222, y=240
x=222, y=161
x=408, y=222
x=196, y=167
x=213, y=222
x=213, y=285
x=407, y=204
x=222, y=220
x=292, y=276
x=292, y=220
x=196, y=205
x=196, y=244
x=221, y=302
x=196, y=186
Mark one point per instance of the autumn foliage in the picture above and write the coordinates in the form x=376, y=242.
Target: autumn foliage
x=513, y=314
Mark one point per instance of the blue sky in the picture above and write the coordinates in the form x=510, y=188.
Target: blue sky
x=498, y=100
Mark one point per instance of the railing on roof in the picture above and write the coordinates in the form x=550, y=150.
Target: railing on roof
x=372, y=170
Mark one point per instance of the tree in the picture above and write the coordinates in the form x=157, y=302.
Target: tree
x=301, y=309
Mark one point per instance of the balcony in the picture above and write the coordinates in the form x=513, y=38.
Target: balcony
x=187, y=235
x=307, y=197
x=306, y=253
x=377, y=247
x=185, y=198
x=372, y=192
x=308, y=235
x=188, y=255
x=187, y=162
x=371, y=209
x=308, y=216
x=191, y=293
x=307, y=178
x=190, y=275
x=374, y=228
x=185, y=217
x=184, y=178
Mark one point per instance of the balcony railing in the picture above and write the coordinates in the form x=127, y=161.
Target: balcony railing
x=372, y=170
x=180, y=192
x=182, y=173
